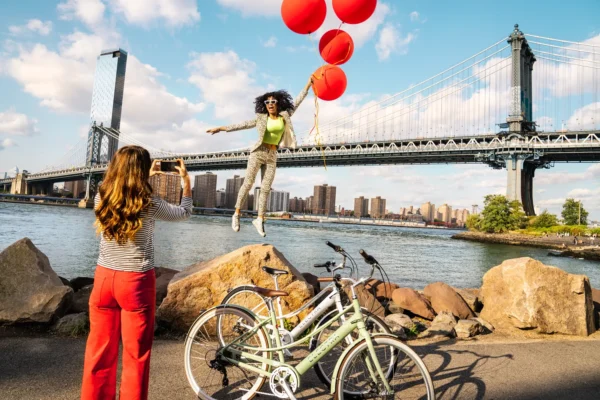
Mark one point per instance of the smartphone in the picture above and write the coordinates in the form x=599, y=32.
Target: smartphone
x=169, y=166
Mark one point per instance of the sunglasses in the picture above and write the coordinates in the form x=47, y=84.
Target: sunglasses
x=270, y=102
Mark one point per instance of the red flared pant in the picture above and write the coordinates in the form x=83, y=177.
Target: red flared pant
x=122, y=306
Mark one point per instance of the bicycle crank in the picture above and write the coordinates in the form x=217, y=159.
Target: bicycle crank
x=284, y=382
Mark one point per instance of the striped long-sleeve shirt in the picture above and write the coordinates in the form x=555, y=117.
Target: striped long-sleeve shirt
x=138, y=255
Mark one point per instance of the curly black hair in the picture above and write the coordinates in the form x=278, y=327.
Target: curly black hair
x=285, y=102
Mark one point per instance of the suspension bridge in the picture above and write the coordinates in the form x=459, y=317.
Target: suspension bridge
x=523, y=103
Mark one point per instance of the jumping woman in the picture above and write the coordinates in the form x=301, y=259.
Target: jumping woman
x=122, y=302
x=275, y=130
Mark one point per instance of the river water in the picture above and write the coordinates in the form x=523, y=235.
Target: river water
x=412, y=257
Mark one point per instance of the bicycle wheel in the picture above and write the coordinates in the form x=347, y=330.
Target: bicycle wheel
x=209, y=374
x=409, y=376
x=245, y=297
x=324, y=368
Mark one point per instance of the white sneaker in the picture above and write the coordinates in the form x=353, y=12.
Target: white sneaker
x=235, y=222
x=260, y=227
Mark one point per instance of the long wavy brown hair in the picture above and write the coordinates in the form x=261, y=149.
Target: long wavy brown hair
x=124, y=194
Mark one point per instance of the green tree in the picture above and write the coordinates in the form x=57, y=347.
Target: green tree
x=545, y=220
x=496, y=214
x=518, y=218
x=571, y=212
x=473, y=222
x=501, y=215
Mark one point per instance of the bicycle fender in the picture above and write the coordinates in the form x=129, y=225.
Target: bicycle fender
x=345, y=353
x=202, y=312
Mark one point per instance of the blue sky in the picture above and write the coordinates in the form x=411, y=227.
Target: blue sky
x=198, y=64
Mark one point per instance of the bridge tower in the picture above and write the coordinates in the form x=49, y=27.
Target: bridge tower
x=105, y=116
x=521, y=162
x=518, y=157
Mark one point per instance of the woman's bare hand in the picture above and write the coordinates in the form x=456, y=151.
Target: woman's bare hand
x=212, y=131
x=155, y=168
x=181, y=168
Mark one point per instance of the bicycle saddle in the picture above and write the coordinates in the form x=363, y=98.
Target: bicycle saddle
x=274, y=271
x=268, y=292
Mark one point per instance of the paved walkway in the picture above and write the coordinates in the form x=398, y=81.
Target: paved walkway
x=50, y=368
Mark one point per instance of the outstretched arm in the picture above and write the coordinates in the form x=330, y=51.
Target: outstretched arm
x=301, y=96
x=251, y=123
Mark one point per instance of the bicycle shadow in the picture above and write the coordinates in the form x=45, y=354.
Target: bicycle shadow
x=455, y=372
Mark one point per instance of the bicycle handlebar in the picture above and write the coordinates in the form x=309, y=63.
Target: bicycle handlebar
x=334, y=247
x=368, y=258
x=324, y=265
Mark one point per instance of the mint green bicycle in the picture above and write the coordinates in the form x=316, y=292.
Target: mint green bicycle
x=229, y=354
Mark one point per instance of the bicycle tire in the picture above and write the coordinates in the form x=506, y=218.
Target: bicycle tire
x=343, y=379
x=322, y=366
x=191, y=353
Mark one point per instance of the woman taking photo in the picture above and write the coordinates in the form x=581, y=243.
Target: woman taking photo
x=273, y=111
x=122, y=302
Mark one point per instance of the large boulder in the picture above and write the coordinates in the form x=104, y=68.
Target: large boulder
x=526, y=294
x=596, y=300
x=163, y=278
x=30, y=291
x=414, y=302
x=205, y=284
x=81, y=300
x=444, y=298
x=471, y=297
x=312, y=280
x=73, y=325
x=365, y=298
x=466, y=328
x=383, y=291
x=442, y=326
x=80, y=282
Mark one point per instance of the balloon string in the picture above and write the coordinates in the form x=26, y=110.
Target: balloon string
x=316, y=119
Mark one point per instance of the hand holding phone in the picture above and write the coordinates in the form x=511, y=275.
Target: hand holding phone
x=169, y=166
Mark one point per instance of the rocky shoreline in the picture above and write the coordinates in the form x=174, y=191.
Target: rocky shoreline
x=36, y=301
x=562, y=246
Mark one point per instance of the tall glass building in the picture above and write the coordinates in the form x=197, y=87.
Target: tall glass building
x=107, y=102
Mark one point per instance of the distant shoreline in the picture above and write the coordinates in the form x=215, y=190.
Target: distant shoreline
x=38, y=203
x=563, y=246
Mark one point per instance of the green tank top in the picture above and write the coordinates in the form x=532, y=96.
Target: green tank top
x=275, y=128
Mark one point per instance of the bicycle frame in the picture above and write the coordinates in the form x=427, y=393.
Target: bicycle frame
x=234, y=352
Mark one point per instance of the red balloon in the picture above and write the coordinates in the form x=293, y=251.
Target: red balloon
x=336, y=46
x=354, y=11
x=303, y=16
x=329, y=82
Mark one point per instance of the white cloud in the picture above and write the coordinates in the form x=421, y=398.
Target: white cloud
x=63, y=81
x=226, y=82
x=90, y=12
x=265, y=8
x=540, y=191
x=33, y=25
x=585, y=118
x=554, y=178
x=414, y=16
x=391, y=41
x=6, y=143
x=583, y=193
x=173, y=12
x=550, y=202
x=271, y=42
x=13, y=123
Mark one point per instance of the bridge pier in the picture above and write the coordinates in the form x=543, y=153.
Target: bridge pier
x=19, y=184
x=519, y=182
x=41, y=189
